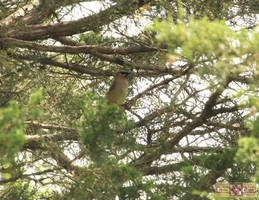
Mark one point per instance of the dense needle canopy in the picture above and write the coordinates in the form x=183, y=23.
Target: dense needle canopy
x=190, y=118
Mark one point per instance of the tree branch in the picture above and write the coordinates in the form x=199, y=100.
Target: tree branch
x=75, y=49
x=148, y=158
x=34, y=142
x=89, y=23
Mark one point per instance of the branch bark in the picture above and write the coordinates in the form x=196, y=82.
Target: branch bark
x=89, y=49
x=89, y=23
x=147, y=158
x=34, y=12
x=35, y=142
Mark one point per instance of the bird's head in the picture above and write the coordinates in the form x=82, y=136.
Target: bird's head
x=123, y=73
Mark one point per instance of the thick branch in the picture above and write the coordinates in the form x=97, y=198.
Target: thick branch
x=69, y=66
x=18, y=176
x=202, y=119
x=123, y=62
x=34, y=12
x=89, y=23
x=61, y=159
x=20, y=14
x=75, y=49
x=36, y=141
x=147, y=159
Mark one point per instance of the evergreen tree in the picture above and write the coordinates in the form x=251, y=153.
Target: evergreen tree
x=190, y=118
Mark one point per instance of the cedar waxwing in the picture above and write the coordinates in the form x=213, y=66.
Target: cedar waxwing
x=119, y=89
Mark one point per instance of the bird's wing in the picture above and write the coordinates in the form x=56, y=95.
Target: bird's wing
x=112, y=86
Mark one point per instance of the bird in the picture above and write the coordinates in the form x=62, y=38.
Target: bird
x=119, y=89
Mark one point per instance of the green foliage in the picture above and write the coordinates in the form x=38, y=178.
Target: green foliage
x=20, y=191
x=23, y=190
x=248, y=150
x=136, y=186
x=211, y=44
x=86, y=149
x=249, y=146
x=112, y=179
x=217, y=161
x=71, y=104
x=11, y=130
x=12, y=125
x=100, y=126
x=241, y=172
x=93, y=38
x=214, y=38
x=12, y=138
